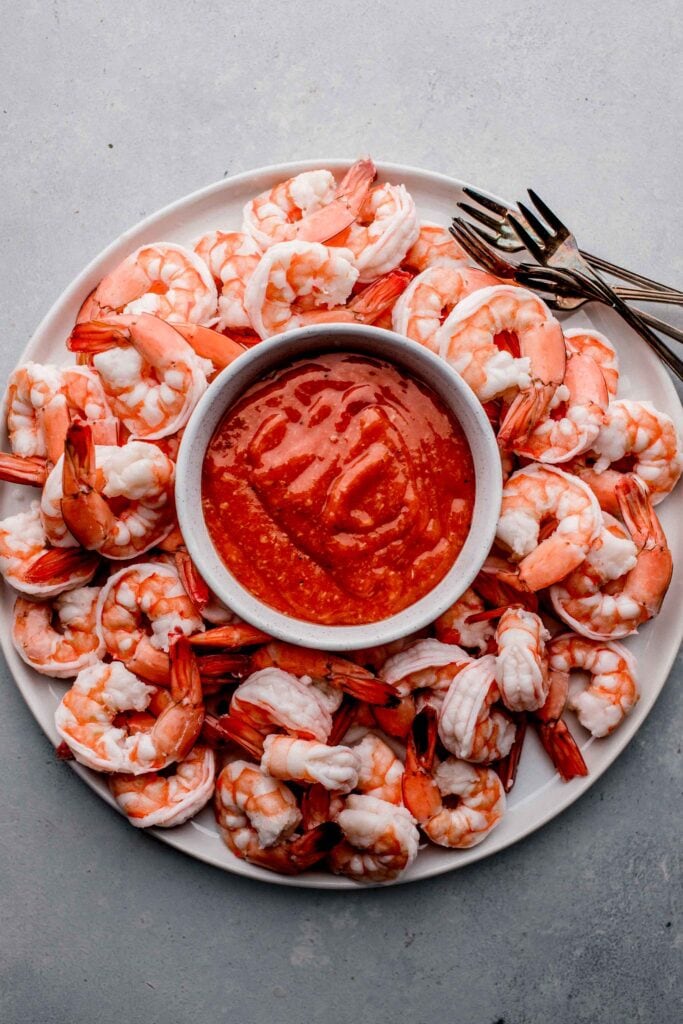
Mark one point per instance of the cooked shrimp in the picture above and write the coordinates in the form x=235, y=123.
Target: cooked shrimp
x=452, y=627
x=646, y=440
x=293, y=278
x=595, y=606
x=380, y=770
x=430, y=297
x=139, y=611
x=85, y=718
x=540, y=495
x=151, y=375
x=162, y=801
x=424, y=664
x=573, y=423
x=31, y=567
x=553, y=733
x=115, y=500
x=587, y=342
x=164, y=279
x=611, y=693
x=380, y=840
x=289, y=758
x=257, y=816
x=308, y=207
x=521, y=662
x=31, y=393
x=58, y=638
x=273, y=697
x=467, y=341
x=324, y=668
x=231, y=257
x=469, y=725
x=386, y=228
x=481, y=803
x=434, y=246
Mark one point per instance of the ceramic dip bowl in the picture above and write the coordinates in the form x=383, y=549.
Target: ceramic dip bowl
x=411, y=358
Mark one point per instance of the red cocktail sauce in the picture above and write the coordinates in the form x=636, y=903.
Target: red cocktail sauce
x=339, y=489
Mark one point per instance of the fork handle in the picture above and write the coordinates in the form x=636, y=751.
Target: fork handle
x=659, y=325
x=632, y=317
x=628, y=275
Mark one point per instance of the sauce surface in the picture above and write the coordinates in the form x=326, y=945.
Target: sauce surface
x=339, y=489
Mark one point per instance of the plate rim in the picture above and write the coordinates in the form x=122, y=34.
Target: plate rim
x=569, y=793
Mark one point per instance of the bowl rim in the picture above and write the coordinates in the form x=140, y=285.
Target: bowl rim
x=264, y=358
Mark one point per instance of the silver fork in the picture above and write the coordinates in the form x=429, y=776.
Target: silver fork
x=563, y=288
x=505, y=239
x=561, y=291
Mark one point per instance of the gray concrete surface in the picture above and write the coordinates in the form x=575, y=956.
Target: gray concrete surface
x=108, y=112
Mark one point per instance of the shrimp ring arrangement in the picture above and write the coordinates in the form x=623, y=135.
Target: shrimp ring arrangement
x=349, y=763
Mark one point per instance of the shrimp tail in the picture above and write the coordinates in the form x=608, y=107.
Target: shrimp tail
x=85, y=511
x=238, y=729
x=215, y=667
x=298, y=854
x=220, y=349
x=197, y=589
x=59, y=564
x=231, y=637
x=178, y=726
x=524, y=413
x=338, y=215
x=315, y=805
x=420, y=793
x=20, y=469
x=93, y=336
x=342, y=720
x=372, y=301
x=396, y=721
x=372, y=691
x=150, y=664
x=507, y=767
x=562, y=749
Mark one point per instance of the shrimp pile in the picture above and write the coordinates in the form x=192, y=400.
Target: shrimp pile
x=306, y=758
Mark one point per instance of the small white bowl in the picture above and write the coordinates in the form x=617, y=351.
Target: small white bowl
x=252, y=367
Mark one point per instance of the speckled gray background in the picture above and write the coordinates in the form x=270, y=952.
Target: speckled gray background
x=110, y=111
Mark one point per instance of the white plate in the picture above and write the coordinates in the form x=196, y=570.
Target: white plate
x=538, y=795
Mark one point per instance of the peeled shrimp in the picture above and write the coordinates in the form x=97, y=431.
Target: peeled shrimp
x=308, y=207
x=469, y=726
x=611, y=692
x=521, y=662
x=58, y=638
x=647, y=439
x=380, y=770
x=115, y=500
x=467, y=341
x=386, y=228
x=231, y=257
x=273, y=697
x=257, y=816
x=85, y=718
x=590, y=602
x=573, y=423
x=139, y=611
x=380, y=840
x=537, y=495
x=429, y=298
x=162, y=801
x=164, y=279
x=424, y=664
x=293, y=278
x=289, y=758
x=587, y=342
x=481, y=802
x=435, y=245
x=33, y=568
x=151, y=375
